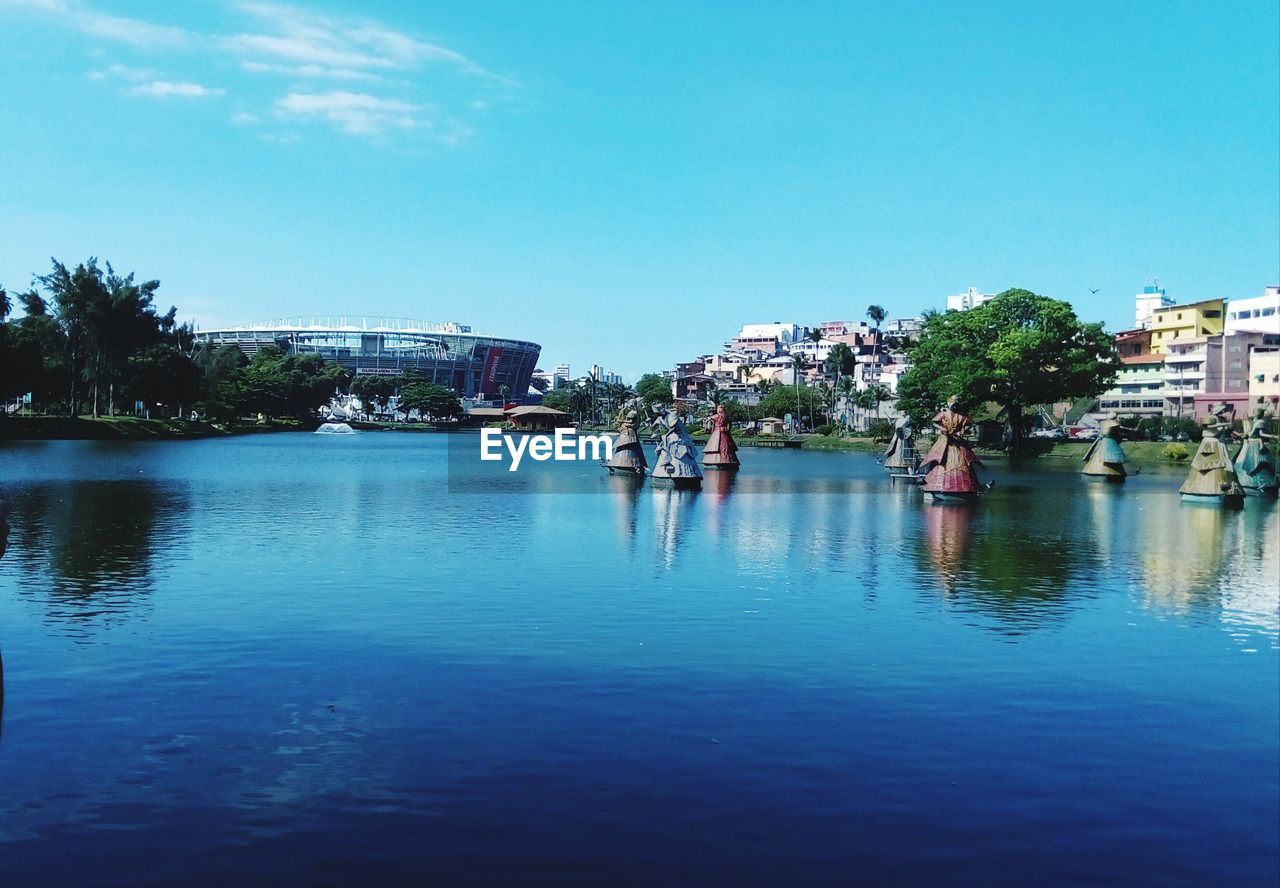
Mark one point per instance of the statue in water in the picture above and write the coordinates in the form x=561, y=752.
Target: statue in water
x=1255, y=464
x=677, y=455
x=951, y=465
x=628, y=456
x=1105, y=457
x=901, y=455
x=721, y=452
x=1212, y=479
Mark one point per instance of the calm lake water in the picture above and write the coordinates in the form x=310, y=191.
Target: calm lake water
x=298, y=657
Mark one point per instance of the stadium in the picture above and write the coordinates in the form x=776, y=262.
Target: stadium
x=473, y=365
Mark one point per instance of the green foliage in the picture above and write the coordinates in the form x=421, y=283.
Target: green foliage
x=429, y=400
x=1018, y=350
x=840, y=360
x=1175, y=452
x=374, y=391
x=275, y=384
x=737, y=411
x=654, y=388
x=781, y=400
x=161, y=375
x=880, y=428
x=825, y=429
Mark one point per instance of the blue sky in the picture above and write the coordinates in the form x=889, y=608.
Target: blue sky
x=628, y=183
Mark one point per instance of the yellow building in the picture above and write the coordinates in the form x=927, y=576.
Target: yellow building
x=1185, y=322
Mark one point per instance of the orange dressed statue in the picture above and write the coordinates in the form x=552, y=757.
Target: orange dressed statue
x=721, y=452
x=951, y=465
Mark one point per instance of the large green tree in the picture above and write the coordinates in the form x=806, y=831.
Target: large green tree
x=276, y=384
x=430, y=400
x=1018, y=350
x=654, y=388
x=105, y=318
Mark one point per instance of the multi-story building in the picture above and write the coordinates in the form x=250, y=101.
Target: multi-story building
x=562, y=374
x=1255, y=312
x=1139, y=385
x=1193, y=320
x=1264, y=378
x=770, y=339
x=971, y=298
x=1147, y=303
x=1210, y=369
x=903, y=326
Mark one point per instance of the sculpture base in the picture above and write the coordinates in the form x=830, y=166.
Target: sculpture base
x=965, y=497
x=1109, y=479
x=633, y=471
x=906, y=477
x=723, y=467
x=682, y=483
x=1269, y=490
x=1217, y=500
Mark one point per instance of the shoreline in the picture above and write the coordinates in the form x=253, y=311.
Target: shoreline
x=132, y=428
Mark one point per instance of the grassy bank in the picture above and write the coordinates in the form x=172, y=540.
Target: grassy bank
x=126, y=428
x=852, y=445
x=1139, y=452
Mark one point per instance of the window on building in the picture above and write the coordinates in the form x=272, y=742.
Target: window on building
x=1268, y=312
x=1213, y=313
x=1179, y=315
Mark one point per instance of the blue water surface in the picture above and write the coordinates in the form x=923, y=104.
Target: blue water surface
x=301, y=658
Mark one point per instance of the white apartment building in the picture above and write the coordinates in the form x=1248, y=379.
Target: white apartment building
x=1260, y=313
x=971, y=298
x=1147, y=303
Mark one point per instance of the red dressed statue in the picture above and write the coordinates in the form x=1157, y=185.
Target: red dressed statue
x=951, y=464
x=721, y=452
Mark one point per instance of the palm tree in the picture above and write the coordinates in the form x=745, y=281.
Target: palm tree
x=827, y=394
x=799, y=363
x=880, y=393
x=848, y=387
x=503, y=391
x=866, y=399
x=876, y=314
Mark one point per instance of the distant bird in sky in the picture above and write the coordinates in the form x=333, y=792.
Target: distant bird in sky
x=1095, y=291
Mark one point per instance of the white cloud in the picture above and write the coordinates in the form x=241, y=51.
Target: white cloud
x=355, y=113
x=117, y=71
x=309, y=51
x=316, y=72
x=76, y=15
x=165, y=89
x=303, y=37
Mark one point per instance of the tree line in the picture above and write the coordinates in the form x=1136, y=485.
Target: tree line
x=90, y=340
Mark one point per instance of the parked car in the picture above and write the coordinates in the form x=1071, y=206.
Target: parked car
x=1085, y=435
x=1052, y=434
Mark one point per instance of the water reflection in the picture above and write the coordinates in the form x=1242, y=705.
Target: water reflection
x=674, y=511
x=4, y=541
x=716, y=487
x=1016, y=563
x=946, y=531
x=89, y=549
x=625, y=493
